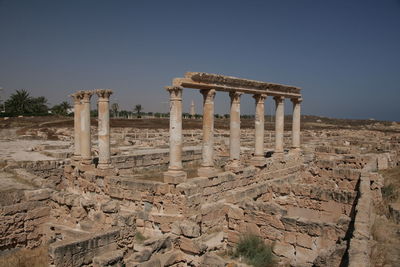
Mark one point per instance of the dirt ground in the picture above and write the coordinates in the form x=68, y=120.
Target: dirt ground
x=308, y=123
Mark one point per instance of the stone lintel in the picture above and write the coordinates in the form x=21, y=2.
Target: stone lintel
x=201, y=80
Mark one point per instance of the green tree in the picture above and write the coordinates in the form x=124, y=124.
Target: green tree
x=19, y=103
x=39, y=105
x=61, y=109
x=138, y=109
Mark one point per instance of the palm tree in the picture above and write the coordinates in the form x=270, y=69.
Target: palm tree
x=138, y=109
x=115, y=108
x=39, y=105
x=19, y=103
x=61, y=109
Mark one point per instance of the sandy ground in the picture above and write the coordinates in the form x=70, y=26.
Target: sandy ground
x=21, y=150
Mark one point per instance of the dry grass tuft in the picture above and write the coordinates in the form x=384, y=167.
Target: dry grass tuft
x=37, y=257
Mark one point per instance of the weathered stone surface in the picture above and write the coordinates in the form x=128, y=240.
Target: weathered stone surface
x=110, y=207
x=189, y=228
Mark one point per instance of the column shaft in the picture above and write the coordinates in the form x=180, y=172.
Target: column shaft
x=77, y=97
x=175, y=173
x=259, y=126
x=296, y=123
x=104, y=128
x=207, y=165
x=279, y=123
x=86, y=154
x=234, y=139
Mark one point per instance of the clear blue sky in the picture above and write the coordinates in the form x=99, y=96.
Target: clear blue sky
x=344, y=54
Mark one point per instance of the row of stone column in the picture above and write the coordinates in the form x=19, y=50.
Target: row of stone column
x=207, y=165
x=82, y=136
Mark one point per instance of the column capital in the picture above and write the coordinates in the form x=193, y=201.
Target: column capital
x=279, y=99
x=260, y=97
x=175, y=92
x=86, y=95
x=208, y=94
x=77, y=96
x=235, y=96
x=296, y=100
x=103, y=94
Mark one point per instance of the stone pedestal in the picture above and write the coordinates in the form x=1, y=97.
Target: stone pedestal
x=279, y=124
x=207, y=165
x=175, y=173
x=77, y=97
x=104, y=128
x=259, y=158
x=234, y=138
x=296, y=123
x=85, y=142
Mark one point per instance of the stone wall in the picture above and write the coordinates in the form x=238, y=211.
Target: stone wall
x=22, y=215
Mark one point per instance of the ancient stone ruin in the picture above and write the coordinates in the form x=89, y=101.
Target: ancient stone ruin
x=186, y=205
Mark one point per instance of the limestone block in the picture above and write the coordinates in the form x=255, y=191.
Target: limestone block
x=192, y=245
x=189, y=228
x=38, y=213
x=211, y=259
x=110, y=206
x=40, y=194
x=284, y=249
x=304, y=240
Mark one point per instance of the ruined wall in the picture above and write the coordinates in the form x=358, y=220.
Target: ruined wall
x=22, y=215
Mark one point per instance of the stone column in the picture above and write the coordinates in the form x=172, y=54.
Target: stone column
x=259, y=158
x=279, y=123
x=296, y=123
x=104, y=128
x=77, y=97
x=175, y=173
x=86, y=153
x=234, y=138
x=207, y=165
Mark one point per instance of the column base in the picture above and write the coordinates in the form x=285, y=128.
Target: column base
x=174, y=177
x=258, y=161
x=76, y=158
x=207, y=171
x=85, y=161
x=233, y=165
x=278, y=155
x=104, y=166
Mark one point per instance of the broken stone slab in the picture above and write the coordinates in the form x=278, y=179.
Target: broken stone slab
x=111, y=258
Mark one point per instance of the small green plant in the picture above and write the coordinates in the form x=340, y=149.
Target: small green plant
x=389, y=192
x=139, y=237
x=255, y=252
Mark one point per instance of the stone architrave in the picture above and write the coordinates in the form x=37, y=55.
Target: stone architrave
x=279, y=123
x=175, y=173
x=86, y=153
x=77, y=97
x=259, y=158
x=207, y=165
x=296, y=123
x=234, y=138
x=104, y=128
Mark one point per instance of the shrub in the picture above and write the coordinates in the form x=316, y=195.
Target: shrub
x=255, y=252
x=389, y=192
